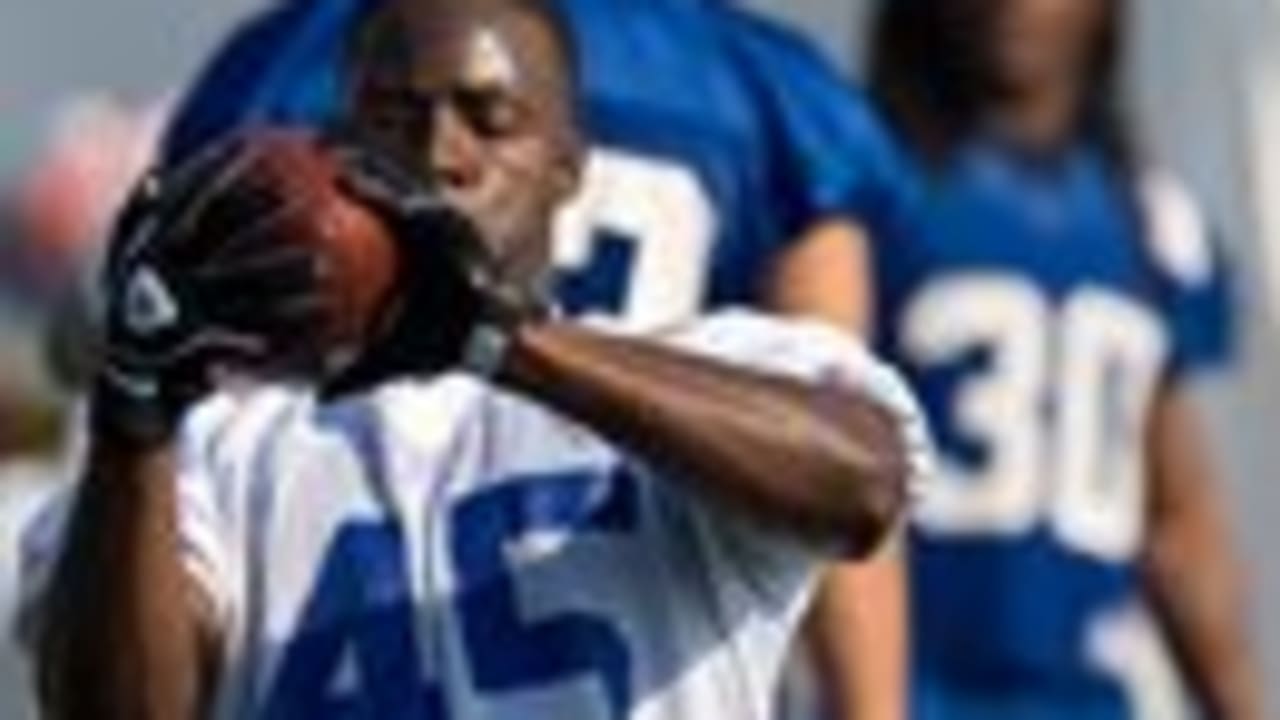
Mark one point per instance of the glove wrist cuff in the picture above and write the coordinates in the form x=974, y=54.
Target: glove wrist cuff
x=486, y=349
x=131, y=409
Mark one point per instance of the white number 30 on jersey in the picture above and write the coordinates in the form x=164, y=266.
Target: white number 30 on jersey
x=1059, y=412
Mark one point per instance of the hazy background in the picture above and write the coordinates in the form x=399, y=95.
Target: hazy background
x=1207, y=74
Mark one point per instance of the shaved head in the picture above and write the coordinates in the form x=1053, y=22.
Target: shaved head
x=405, y=27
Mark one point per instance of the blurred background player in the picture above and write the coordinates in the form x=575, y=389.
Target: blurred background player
x=52, y=226
x=1059, y=298
x=730, y=164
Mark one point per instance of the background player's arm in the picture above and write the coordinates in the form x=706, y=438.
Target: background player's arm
x=1193, y=577
x=857, y=628
x=839, y=163
x=120, y=631
x=822, y=462
x=825, y=274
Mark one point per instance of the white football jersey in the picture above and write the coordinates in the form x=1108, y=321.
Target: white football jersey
x=446, y=551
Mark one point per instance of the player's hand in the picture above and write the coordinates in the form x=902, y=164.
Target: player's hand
x=194, y=287
x=450, y=285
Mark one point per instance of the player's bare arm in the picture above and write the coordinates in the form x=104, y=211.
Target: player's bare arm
x=121, y=632
x=1191, y=570
x=857, y=628
x=826, y=274
x=821, y=461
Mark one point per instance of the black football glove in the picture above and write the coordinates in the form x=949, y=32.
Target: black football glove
x=449, y=281
x=194, y=286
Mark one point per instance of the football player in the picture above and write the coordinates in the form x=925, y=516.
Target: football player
x=1060, y=298
x=512, y=516
x=730, y=164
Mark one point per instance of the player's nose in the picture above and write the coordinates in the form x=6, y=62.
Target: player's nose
x=453, y=151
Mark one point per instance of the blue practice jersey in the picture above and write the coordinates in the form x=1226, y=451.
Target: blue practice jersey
x=716, y=136
x=1037, y=311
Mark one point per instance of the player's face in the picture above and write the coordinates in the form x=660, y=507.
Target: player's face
x=478, y=104
x=1037, y=42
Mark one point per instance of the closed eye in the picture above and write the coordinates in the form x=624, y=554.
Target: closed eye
x=490, y=112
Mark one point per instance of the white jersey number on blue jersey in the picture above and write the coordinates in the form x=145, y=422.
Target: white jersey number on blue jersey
x=645, y=227
x=1061, y=408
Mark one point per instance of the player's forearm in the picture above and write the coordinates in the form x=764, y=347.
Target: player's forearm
x=1198, y=591
x=115, y=635
x=1193, y=576
x=826, y=274
x=857, y=628
x=858, y=631
x=820, y=461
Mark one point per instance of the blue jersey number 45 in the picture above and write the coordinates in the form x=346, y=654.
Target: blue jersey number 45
x=357, y=652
